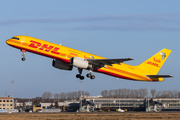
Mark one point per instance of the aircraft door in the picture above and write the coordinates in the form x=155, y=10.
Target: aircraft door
x=23, y=39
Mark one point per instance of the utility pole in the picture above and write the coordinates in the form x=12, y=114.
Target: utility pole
x=5, y=94
x=12, y=95
x=148, y=96
x=80, y=97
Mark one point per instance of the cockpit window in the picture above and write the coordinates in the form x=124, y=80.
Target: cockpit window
x=16, y=38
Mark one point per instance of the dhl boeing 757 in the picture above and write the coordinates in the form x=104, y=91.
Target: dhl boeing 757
x=65, y=58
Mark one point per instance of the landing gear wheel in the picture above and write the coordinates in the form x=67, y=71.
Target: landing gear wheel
x=23, y=59
x=78, y=76
x=82, y=78
x=88, y=75
x=92, y=77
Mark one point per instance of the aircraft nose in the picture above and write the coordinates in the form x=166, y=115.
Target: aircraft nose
x=7, y=41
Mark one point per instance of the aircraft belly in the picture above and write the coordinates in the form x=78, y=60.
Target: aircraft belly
x=124, y=74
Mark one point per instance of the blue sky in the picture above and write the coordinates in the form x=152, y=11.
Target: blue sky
x=112, y=29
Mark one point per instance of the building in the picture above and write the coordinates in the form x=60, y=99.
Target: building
x=137, y=104
x=6, y=103
x=65, y=106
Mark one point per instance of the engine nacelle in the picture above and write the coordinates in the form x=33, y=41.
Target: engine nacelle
x=60, y=65
x=80, y=63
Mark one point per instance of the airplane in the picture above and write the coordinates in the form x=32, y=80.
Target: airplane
x=66, y=58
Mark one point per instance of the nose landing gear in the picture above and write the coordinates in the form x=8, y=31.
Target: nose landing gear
x=23, y=54
x=23, y=59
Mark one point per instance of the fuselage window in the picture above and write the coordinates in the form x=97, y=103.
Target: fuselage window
x=16, y=38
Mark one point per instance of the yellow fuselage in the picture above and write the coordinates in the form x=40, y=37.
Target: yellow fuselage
x=64, y=54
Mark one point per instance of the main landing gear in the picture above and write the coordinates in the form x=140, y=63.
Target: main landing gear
x=89, y=75
x=23, y=54
x=79, y=75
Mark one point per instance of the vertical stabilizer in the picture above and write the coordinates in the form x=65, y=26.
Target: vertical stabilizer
x=154, y=63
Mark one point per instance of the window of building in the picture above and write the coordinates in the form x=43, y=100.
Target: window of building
x=10, y=100
x=4, y=104
x=3, y=108
x=10, y=104
x=7, y=100
x=7, y=104
x=4, y=100
x=0, y=104
x=0, y=100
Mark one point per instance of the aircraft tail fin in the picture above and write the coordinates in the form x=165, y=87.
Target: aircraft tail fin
x=154, y=63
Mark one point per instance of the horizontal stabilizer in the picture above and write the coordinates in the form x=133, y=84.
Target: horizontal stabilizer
x=159, y=76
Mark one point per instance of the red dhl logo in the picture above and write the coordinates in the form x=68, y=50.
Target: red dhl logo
x=153, y=64
x=85, y=57
x=44, y=47
x=49, y=48
x=73, y=54
x=157, y=60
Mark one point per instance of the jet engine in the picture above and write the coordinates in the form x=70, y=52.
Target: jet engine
x=80, y=63
x=61, y=65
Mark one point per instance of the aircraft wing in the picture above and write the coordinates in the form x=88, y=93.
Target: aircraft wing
x=102, y=62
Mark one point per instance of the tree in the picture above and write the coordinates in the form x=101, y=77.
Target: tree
x=44, y=95
x=128, y=93
x=153, y=92
x=47, y=95
x=63, y=95
x=105, y=93
x=115, y=93
x=123, y=94
x=175, y=93
x=56, y=96
x=139, y=93
x=102, y=93
x=178, y=94
x=136, y=93
x=87, y=93
x=158, y=94
x=143, y=93
x=56, y=104
x=110, y=94
x=79, y=93
x=131, y=93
